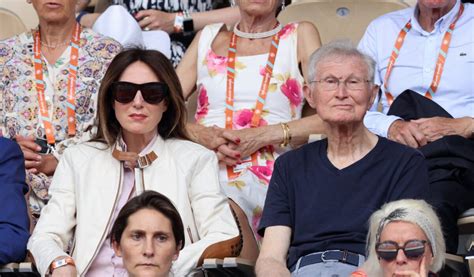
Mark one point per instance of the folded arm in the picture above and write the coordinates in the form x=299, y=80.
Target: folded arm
x=58, y=219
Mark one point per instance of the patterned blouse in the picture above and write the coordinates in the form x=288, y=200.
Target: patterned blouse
x=19, y=112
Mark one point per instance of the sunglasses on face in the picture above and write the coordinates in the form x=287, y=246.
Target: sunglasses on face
x=388, y=250
x=152, y=93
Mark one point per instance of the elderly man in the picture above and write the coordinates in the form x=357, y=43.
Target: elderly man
x=425, y=68
x=14, y=223
x=322, y=194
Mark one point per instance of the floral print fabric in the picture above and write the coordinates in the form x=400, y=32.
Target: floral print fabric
x=284, y=103
x=18, y=97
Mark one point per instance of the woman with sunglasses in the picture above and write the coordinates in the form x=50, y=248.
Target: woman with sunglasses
x=141, y=144
x=405, y=239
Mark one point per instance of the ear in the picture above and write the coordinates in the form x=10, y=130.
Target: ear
x=117, y=249
x=373, y=95
x=178, y=247
x=309, y=95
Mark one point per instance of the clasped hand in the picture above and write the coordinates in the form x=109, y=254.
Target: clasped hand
x=231, y=145
x=417, y=133
x=35, y=162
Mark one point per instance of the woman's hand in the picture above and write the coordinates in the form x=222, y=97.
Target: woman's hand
x=48, y=164
x=210, y=137
x=412, y=273
x=34, y=161
x=156, y=20
x=245, y=141
x=65, y=271
x=31, y=152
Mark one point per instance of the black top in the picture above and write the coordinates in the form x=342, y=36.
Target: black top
x=328, y=208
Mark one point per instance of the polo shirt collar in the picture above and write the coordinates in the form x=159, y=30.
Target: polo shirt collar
x=441, y=25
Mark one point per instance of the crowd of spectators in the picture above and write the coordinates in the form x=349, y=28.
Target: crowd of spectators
x=102, y=175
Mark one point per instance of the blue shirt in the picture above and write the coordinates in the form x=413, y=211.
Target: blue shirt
x=329, y=208
x=414, y=67
x=14, y=223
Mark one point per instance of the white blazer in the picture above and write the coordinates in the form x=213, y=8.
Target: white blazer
x=88, y=181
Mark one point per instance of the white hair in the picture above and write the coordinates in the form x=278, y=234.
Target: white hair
x=336, y=49
x=417, y=212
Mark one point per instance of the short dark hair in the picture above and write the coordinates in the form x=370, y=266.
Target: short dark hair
x=154, y=201
x=173, y=122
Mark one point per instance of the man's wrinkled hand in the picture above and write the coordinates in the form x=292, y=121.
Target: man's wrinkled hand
x=408, y=133
x=435, y=128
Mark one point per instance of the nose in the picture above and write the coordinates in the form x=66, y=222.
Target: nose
x=401, y=258
x=138, y=100
x=149, y=248
x=341, y=91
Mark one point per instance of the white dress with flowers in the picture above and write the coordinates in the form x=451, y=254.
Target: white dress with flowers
x=284, y=103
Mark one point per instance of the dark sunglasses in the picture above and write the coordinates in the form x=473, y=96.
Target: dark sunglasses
x=388, y=250
x=153, y=93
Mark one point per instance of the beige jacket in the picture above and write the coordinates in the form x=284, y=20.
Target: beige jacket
x=88, y=181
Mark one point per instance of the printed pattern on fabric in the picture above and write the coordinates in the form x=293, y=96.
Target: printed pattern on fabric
x=177, y=46
x=284, y=103
x=19, y=112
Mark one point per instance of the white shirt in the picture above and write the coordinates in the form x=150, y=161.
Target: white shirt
x=414, y=67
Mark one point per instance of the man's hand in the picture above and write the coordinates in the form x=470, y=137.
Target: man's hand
x=31, y=152
x=408, y=133
x=435, y=128
x=156, y=20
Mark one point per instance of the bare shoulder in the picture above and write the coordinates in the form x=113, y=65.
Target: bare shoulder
x=306, y=27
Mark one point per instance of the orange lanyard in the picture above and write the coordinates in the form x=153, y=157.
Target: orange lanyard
x=262, y=95
x=71, y=86
x=443, y=52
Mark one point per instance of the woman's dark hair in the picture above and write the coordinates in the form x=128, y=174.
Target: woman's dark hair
x=154, y=201
x=172, y=124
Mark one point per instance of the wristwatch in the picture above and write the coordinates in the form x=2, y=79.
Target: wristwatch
x=188, y=23
x=61, y=262
x=183, y=22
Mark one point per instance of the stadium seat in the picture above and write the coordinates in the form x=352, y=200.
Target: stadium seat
x=25, y=11
x=26, y=269
x=341, y=19
x=10, y=24
x=233, y=257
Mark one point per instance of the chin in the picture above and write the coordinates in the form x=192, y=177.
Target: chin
x=149, y=272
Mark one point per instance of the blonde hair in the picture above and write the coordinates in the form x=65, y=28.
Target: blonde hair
x=417, y=212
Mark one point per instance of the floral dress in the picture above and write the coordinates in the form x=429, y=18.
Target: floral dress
x=19, y=111
x=284, y=103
